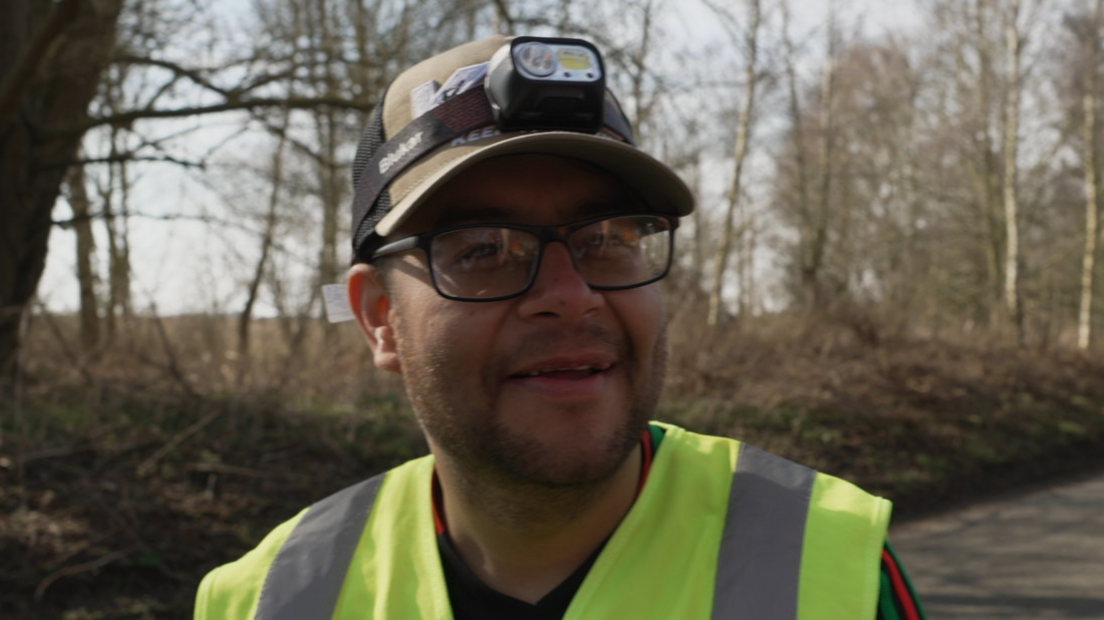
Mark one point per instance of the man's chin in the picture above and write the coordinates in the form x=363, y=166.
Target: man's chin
x=560, y=462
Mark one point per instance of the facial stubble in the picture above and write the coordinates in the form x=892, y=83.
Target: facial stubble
x=482, y=447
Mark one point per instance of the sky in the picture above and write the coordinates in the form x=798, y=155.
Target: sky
x=175, y=269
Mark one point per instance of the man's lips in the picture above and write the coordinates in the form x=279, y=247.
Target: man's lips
x=564, y=372
x=578, y=365
x=578, y=375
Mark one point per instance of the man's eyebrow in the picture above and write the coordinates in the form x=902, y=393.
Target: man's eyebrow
x=499, y=215
x=472, y=215
x=606, y=207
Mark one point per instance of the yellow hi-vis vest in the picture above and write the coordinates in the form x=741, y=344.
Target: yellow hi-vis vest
x=720, y=530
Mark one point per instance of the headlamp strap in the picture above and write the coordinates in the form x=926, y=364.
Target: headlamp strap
x=452, y=119
x=613, y=120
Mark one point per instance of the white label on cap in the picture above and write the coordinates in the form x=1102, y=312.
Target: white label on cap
x=461, y=81
x=421, y=98
x=336, y=300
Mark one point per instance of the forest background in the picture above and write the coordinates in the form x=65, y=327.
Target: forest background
x=892, y=275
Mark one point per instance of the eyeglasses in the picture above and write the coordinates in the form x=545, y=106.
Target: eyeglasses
x=491, y=263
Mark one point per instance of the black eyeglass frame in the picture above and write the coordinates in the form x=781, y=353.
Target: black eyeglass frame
x=545, y=234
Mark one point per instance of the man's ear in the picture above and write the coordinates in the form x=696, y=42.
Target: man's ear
x=372, y=306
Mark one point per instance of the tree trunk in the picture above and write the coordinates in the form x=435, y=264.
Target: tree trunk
x=1012, y=301
x=1092, y=209
x=640, y=71
x=331, y=176
x=114, y=196
x=816, y=230
x=804, y=207
x=52, y=64
x=267, y=238
x=743, y=136
x=984, y=164
x=86, y=246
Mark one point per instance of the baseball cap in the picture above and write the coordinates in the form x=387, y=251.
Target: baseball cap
x=435, y=120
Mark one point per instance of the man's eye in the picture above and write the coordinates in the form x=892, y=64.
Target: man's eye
x=481, y=251
x=610, y=240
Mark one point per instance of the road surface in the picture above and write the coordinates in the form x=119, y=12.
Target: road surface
x=1036, y=556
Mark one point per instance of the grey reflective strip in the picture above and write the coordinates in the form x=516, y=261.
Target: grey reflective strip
x=304, y=581
x=759, y=567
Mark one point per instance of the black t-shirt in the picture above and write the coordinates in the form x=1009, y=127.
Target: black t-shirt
x=474, y=600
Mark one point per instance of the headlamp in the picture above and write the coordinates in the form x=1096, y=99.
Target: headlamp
x=547, y=83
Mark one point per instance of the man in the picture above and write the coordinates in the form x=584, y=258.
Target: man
x=507, y=241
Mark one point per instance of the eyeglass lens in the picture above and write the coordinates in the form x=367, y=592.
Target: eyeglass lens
x=488, y=262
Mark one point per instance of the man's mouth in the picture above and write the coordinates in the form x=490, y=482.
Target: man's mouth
x=573, y=373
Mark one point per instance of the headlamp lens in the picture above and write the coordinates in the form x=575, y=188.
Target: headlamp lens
x=536, y=59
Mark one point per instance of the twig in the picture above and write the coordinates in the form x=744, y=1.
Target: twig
x=78, y=569
x=60, y=452
x=173, y=366
x=222, y=468
x=129, y=527
x=74, y=358
x=145, y=468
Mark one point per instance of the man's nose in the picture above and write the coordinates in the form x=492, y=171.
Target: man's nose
x=559, y=290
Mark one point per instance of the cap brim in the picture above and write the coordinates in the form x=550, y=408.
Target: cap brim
x=658, y=185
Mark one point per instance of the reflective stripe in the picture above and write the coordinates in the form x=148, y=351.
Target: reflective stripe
x=306, y=577
x=759, y=566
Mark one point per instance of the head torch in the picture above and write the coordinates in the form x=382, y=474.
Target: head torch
x=547, y=83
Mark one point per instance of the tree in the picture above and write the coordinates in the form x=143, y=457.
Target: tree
x=268, y=235
x=729, y=233
x=1014, y=51
x=1092, y=39
x=54, y=53
x=807, y=168
x=86, y=274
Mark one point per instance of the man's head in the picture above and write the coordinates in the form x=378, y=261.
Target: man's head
x=519, y=302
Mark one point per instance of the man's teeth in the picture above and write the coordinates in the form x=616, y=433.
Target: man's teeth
x=590, y=369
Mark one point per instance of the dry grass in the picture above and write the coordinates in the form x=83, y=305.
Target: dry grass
x=927, y=422
x=127, y=474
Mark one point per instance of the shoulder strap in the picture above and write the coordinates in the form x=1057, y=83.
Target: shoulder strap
x=306, y=577
x=759, y=564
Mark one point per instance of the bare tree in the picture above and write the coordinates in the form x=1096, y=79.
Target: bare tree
x=1092, y=41
x=1013, y=50
x=729, y=233
x=814, y=225
x=114, y=195
x=797, y=128
x=970, y=100
x=54, y=53
x=57, y=53
x=86, y=245
x=268, y=237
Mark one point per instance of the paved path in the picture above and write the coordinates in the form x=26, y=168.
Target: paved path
x=1036, y=556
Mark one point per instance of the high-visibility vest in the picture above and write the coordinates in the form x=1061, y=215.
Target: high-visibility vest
x=720, y=530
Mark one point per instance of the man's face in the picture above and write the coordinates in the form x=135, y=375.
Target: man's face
x=553, y=387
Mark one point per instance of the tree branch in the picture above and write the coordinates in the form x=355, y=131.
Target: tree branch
x=119, y=158
x=210, y=220
x=128, y=118
x=192, y=74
